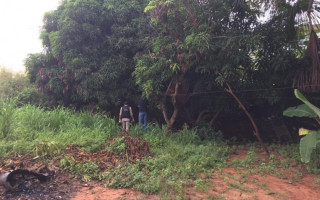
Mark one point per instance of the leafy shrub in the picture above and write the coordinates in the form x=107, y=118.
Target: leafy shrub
x=314, y=164
x=87, y=170
x=31, y=95
x=205, y=133
x=124, y=176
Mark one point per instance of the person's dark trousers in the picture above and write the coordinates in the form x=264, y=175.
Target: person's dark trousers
x=143, y=119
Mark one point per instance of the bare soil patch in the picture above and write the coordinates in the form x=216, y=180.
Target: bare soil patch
x=235, y=183
x=228, y=185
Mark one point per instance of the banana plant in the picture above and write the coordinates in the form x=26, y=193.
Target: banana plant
x=311, y=138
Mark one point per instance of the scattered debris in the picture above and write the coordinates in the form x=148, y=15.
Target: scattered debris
x=18, y=176
x=134, y=148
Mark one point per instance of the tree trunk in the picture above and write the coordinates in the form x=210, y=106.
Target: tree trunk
x=173, y=117
x=256, y=130
x=176, y=109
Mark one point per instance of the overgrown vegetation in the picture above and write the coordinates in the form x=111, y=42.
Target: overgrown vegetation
x=176, y=160
x=181, y=55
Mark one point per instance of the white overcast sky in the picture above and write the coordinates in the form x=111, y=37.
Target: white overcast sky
x=20, y=24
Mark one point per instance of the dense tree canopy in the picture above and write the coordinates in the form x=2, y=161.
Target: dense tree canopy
x=180, y=54
x=89, y=48
x=201, y=45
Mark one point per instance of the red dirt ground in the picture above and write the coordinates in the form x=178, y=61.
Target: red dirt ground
x=230, y=183
x=98, y=192
x=226, y=185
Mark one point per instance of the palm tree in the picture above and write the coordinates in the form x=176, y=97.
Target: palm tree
x=302, y=16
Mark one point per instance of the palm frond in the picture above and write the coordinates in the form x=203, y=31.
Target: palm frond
x=309, y=80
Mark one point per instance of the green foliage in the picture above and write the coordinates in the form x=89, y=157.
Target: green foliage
x=176, y=159
x=300, y=111
x=203, y=45
x=246, y=163
x=47, y=149
x=151, y=6
x=311, y=141
x=17, y=86
x=257, y=163
x=118, y=146
x=205, y=133
x=87, y=171
x=89, y=51
x=47, y=132
x=6, y=117
x=102, y=52
x=11, y=84
x=201, y=185
x=124, y=176
x=199, y=42
x=288, y=151
x=308, y=144
x=300, y=96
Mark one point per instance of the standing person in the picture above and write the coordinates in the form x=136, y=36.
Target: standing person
x=143, y=112
x=125, y=115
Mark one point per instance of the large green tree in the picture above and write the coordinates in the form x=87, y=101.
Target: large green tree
x=199, y=48
x=196, y=45
x=89, y=46
x=185, y=55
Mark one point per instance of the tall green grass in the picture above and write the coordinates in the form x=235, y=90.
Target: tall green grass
x=23, y=128
x=6, y=117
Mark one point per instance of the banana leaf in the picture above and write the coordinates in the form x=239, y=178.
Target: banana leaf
x=300, y=111
x=307, y=144
x=300, y=96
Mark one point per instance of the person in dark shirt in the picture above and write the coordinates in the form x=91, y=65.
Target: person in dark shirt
x=125, y=116
x=143, y=112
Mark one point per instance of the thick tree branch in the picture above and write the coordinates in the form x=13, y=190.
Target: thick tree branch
x=256, y=130
x=164, y=112
x=173, y=116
